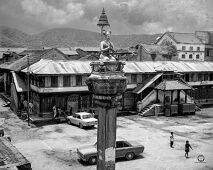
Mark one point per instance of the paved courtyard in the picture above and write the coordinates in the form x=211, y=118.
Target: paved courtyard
x=54, y=146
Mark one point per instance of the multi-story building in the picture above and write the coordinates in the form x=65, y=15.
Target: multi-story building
x=63, y=83
x=207, y=38
x=11, y=72
x=154, y=52
x=188, y=46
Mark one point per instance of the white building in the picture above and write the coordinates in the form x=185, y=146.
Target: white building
x=189, y=47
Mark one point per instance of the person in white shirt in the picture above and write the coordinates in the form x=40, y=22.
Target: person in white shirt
x=31, y=107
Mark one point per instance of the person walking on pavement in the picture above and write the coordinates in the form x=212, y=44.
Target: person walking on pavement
x=25, y=105
x=54, y=111
x=31, y=107
x=171, y=140
x=187, y=146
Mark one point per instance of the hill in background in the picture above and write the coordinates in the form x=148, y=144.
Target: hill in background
x=67, y=37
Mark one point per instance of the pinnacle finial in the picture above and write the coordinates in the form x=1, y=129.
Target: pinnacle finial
x=103, y=21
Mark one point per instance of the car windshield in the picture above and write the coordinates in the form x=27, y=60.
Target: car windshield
x=86, y=116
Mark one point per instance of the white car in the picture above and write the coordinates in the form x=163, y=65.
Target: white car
x=82, y=119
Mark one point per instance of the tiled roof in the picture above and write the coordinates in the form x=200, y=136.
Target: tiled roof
x=88, y=49
x=155, y=49
x=173, y=85
x=34, y=52
x=83, y=67
x=16, y=50
x=146, y=83
x=188, y=38
x=10, y=156
x=34, y=57
x=60, y=67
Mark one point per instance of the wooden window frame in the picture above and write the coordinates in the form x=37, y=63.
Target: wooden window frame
x=133, y=78
x=54, y=81
x=66, y=81
x=78, y=80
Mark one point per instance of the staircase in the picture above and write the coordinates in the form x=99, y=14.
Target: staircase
x=148, y=110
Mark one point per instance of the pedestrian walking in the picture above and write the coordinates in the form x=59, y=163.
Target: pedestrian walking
x=1, y=132
x=54, y=111
x=25, y=105
x=187, y=147
x=31, y=107
x=22, y=100
x=171, y=140
x=59, y=112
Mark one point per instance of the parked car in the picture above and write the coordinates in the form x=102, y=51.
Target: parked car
x=82, y=119
x=124, y=149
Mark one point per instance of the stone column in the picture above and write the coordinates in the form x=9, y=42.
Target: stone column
x=107, y=83
x=106, y=138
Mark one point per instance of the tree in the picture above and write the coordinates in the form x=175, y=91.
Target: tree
x=172, y=50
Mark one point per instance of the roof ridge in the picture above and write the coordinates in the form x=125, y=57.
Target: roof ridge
x=182, y=32
x=43, y=65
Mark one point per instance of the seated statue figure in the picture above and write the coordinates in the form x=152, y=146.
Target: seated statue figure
x=106, y=48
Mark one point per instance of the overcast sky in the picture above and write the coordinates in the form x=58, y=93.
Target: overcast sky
x=125, y=16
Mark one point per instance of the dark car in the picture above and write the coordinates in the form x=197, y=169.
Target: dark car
x=124, y=149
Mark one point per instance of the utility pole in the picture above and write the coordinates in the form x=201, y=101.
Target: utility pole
x=28, y=89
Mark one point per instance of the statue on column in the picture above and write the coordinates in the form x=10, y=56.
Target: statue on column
x=106, y=47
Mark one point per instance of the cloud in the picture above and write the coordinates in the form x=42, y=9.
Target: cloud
x=50, y=15
x=125, y=16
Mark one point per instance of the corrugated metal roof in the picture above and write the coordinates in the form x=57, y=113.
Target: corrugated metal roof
x=19, y=83
x=138, y=67
x=45, y=66
x=60, y=67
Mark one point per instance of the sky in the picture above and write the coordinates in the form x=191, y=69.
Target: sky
x=125, y=16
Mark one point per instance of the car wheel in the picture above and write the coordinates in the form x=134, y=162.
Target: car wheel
x=69, y=122
x=81, y=126
x=92, y=160
x=129, y=156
